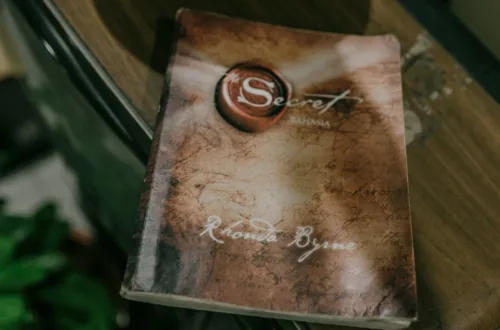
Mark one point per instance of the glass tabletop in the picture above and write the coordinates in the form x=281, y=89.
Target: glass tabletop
x=122, y=48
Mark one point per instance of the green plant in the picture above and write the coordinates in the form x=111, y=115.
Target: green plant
x=39, y=286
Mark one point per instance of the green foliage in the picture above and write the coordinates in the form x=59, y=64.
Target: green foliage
x=39, y=289
x=7, y=245
x=21, y=274
x=12, y=311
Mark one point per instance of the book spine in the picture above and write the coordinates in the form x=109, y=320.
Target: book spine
x=139, y=240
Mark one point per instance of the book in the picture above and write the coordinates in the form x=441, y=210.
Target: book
x=277, y=183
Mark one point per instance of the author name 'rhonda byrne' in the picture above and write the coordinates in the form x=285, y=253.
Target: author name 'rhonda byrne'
x=263, y=231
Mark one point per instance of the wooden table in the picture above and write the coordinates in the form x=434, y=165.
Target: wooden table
x=452, y=130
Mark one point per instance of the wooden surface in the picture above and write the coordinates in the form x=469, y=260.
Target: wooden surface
x=454, y=158
x=10, y=65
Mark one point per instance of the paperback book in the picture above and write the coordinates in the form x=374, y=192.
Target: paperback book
x=277, y=184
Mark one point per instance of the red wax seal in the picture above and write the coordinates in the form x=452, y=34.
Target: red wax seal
x=252, y=96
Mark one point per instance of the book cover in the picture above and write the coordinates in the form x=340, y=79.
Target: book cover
x=277, y=183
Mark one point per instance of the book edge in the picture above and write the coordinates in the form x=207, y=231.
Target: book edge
x=138, y=239
x=391, y=37
x=170, y=300
x=394, y=40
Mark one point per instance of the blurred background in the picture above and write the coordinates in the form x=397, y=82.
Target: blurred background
x=72, y=159
x=66, y=174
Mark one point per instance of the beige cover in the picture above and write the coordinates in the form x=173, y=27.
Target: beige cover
x=328, y=188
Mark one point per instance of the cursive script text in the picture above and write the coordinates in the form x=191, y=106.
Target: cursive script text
x=303, y=240
x=262, y=231
x=320, y=102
